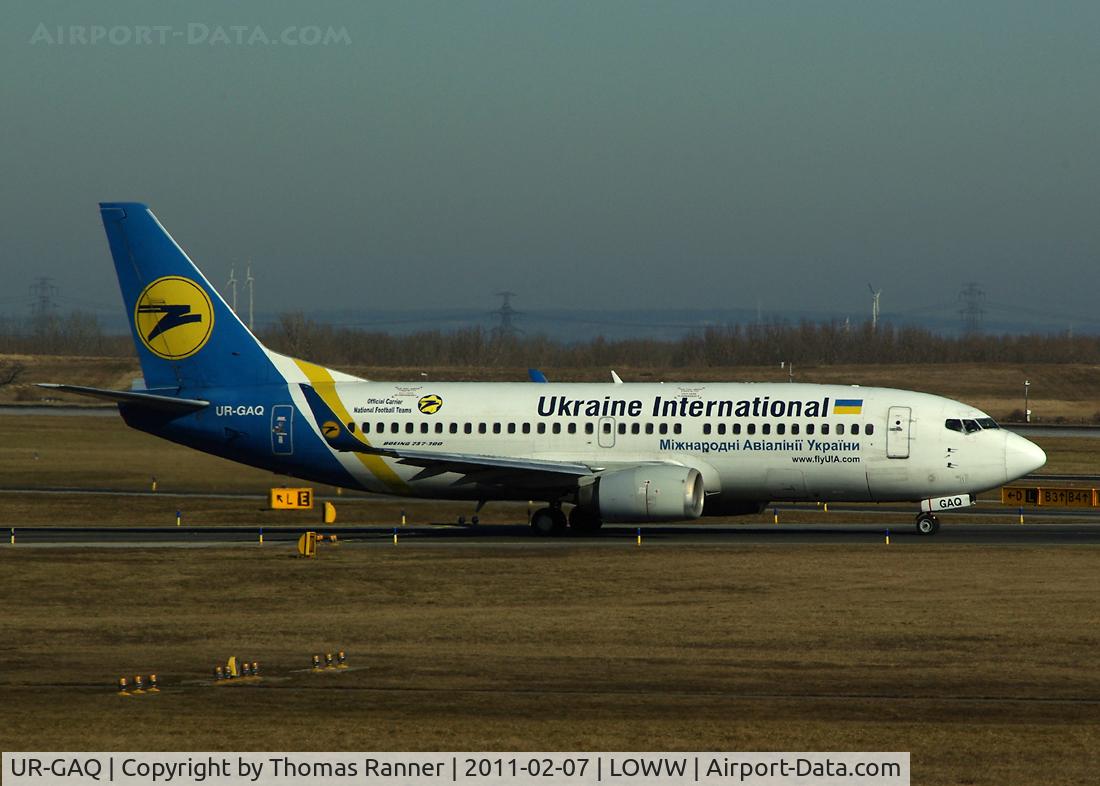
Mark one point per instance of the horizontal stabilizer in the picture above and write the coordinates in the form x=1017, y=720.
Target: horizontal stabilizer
x=150, y=400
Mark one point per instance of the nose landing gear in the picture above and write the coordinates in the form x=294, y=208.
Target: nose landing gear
x=927, y=524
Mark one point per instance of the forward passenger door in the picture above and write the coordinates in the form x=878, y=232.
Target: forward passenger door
x=897, y=432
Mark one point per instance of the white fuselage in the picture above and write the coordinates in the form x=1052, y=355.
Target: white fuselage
x=750, y=441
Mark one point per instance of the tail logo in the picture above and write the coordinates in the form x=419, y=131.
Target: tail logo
x=174, y=317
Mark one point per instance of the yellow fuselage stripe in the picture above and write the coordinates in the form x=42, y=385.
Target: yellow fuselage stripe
x=325, y=386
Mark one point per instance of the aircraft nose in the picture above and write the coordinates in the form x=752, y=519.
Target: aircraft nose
x=1022, y=456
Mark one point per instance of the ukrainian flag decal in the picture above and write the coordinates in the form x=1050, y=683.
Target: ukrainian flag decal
x=848, y=406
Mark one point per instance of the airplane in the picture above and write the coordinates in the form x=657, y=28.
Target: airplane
x=610, y=452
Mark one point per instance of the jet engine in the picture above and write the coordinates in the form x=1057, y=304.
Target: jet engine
x=650, y=493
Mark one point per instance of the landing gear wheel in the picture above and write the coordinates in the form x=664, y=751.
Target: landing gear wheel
x=583, y=521
x=548, y=521
x=475, y=520
x=927, y=524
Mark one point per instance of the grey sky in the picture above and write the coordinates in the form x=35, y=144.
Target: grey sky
x=583, y=154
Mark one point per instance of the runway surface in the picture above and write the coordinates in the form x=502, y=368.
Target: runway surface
x=1044, y=534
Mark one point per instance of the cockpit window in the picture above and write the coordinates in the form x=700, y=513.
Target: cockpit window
x=953, y=424
x=987, y=423
x=970, y=426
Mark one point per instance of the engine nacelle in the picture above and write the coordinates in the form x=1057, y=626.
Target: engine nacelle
x=650, y=493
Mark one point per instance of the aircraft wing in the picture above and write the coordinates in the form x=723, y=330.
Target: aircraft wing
x=488, y=470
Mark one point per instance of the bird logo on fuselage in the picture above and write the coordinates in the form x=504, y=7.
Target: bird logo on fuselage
x=174, y=317
x=429, y=404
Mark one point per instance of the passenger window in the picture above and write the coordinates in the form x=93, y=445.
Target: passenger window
x=766, y=428
x=635, y=428
x=381, y=428
x=556, y=428
x=589, y=428
x=810, y=428
x=721, y=428
x=794, y=428
x=606, y=428
x=481, y=428
x=423, y=428
x=677, y=428
x=453, y=428
x=869, y=429
x=736, y=428
x=622, y=428
x=496, y=428
x=750, y=428
x=511, y=428
x=706, y=428
x=409, y=428
x=780, y=428
x=839, y=429
x=366, y=427
x=824, y=429
x=648, y=428
x=541, y=428
x=351, y=427
x=468, y=428
x=663, y=428
x=439, y=428
x=526, y=428
x=572, y=428
x=395, y=427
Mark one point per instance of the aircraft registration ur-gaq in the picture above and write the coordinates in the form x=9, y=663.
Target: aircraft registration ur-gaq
x=611, y=452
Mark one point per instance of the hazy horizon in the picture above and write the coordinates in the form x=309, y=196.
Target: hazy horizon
x=771, y=155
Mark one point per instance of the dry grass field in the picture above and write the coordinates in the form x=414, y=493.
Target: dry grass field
x=981, y=661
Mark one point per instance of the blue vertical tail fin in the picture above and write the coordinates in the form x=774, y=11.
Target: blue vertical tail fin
x=186, y=335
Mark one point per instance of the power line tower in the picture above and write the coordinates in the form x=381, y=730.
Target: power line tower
x=43, y=305
x=506, y=314
x=875, y=295
x=972, y=310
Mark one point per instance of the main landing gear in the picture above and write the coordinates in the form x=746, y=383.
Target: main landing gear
x=552, y=521
x=548, y=521
x=927, y=524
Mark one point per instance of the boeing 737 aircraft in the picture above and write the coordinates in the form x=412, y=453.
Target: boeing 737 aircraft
x=616, y=452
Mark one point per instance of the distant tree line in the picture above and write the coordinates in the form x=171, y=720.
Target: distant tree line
x=75, y=333
x=805, y=343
